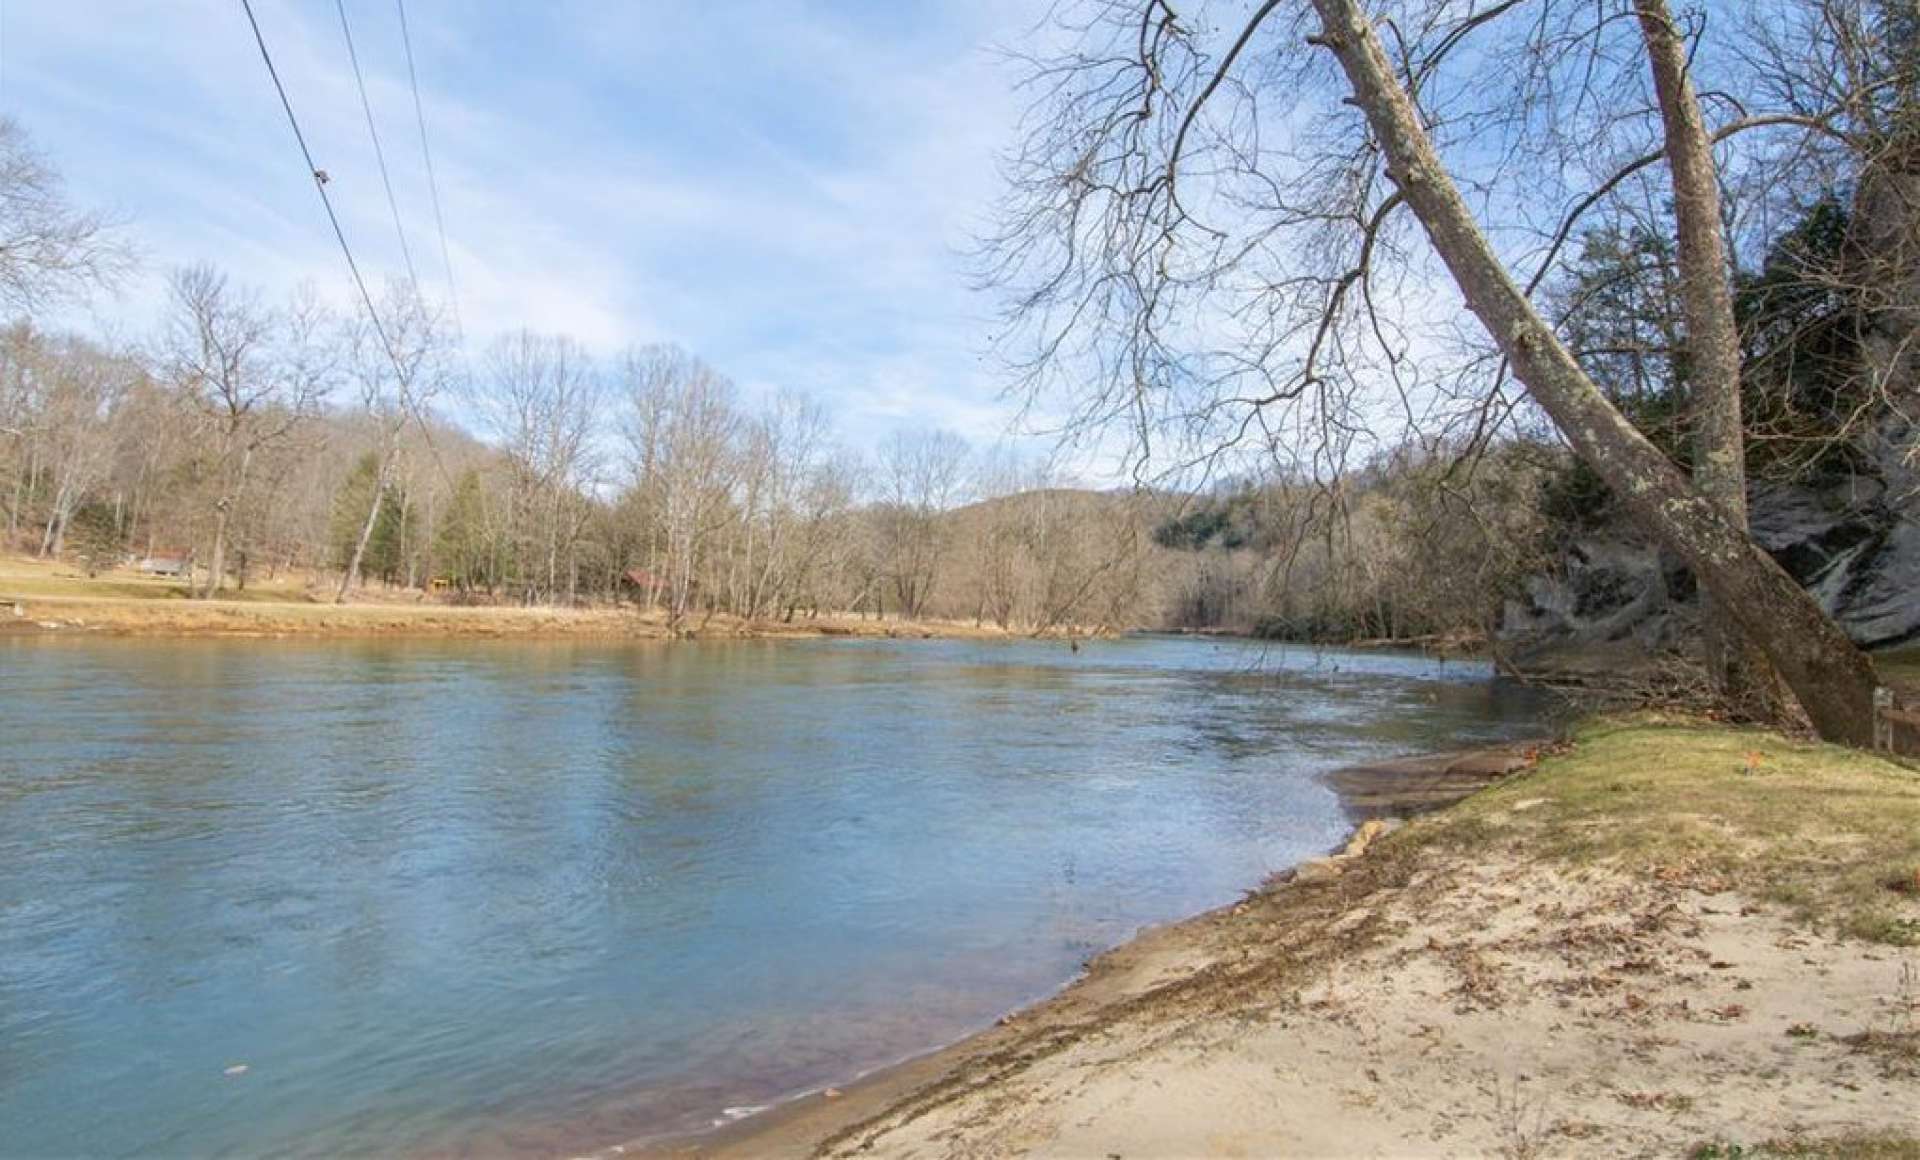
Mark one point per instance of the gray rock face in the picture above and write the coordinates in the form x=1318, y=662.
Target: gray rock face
x=1608, y=590
x=1854, y=541
x=1855, y=546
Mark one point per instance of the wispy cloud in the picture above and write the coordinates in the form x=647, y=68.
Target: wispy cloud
x=787, y=188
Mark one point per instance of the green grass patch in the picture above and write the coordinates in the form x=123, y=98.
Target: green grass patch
x=1831, y=834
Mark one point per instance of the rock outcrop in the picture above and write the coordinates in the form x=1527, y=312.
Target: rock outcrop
x=1852, y=538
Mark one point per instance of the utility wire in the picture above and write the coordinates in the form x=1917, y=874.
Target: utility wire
x=433, y=183
x=340, y=235
x=373, y=132
x=320, y=185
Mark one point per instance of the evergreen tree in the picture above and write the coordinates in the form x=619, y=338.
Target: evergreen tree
x=396, y=527
x=350, y=504
x=460, y=542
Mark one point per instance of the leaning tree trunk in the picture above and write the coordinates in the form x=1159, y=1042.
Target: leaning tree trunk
x=55, y=531
x=352, y=575
x=1738, y=669
x=1833, y=680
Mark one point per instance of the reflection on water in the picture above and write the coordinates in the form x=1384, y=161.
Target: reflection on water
x=472, y=897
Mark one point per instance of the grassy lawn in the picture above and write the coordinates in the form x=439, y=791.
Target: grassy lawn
x=24, y=577
x=1831, y=834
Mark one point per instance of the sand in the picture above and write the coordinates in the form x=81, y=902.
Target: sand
x=1419, y=999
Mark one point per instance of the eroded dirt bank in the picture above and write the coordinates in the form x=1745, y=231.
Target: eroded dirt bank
x=1670, y=940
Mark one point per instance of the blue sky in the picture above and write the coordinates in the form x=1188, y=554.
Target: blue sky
x=785, y=188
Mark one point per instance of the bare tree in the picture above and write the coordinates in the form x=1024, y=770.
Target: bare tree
x=400, y=362
x=784, y=450
x=541, y=402
x=48, y=248
x=254, y=374
x=1008, y=538
x=683, y=458
x=83, y=386
x=1833, y=680
x=921, y=475
x=1209, y=246
x=1734, y=665
x=1847, y=72
x=824, y=543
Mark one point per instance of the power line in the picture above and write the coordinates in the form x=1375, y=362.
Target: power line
x=440, y=228
x=373, y=132
x=340, y=235
x=433, y=183
x=320, y=186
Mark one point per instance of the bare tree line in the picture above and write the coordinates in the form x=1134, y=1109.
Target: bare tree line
x=1381, y=259
x=1311, y=231
x=274, y=440
x=250, y=438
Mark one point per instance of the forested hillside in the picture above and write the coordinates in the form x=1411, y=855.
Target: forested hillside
x=244, y=437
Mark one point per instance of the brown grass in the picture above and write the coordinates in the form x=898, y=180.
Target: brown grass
x=40, y=595
x=1832, y=833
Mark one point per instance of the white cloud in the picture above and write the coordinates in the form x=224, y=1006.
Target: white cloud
x=784, y=188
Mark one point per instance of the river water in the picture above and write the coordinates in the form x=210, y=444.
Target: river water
x=468, y=898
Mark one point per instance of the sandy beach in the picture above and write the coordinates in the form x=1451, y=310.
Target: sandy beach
x=1669, y=939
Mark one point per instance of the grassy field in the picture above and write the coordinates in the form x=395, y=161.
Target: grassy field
x=24, y=577
x=51, y=596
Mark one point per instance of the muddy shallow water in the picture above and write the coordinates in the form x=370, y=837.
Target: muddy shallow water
x=445, y=897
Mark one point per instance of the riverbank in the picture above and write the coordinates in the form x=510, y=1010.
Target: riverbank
x=45, y=597
x=263, y=618
x=1668, y=939
x=1470, y=644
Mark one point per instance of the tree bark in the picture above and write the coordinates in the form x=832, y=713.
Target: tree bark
x=352, y=574
x=1738, y=669
x=217, y=559
x=1833, y=680
x=55, y=532
x=223, y=516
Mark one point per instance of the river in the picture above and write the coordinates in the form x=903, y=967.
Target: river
x=443, y=897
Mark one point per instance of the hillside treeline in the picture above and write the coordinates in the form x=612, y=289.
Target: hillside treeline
x=249, y=438
x=255, y=439
x=1435, y=540
x=252, y=439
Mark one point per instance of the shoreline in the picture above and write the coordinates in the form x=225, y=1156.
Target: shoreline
x=1474, y=647
x=68, y=615
x=1378, y=796
x=50, y=597
x=1447, y=988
